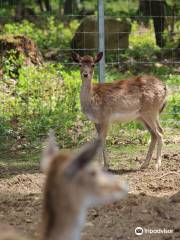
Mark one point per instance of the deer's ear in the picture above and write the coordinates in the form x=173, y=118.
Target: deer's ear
x=49, y=151
x=84, y=157
x=98, y=57
x=76, y=57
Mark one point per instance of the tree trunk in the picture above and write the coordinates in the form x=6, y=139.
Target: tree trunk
x=70, y=6
x=172, y=25
x=44, y=5
x=18, y=10
x=156, y=10
x=41, y=5
x=48, y=5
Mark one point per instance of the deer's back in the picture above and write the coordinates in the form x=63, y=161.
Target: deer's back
x=125, y=100
x=143, y=88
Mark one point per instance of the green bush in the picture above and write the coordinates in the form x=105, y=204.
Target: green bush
x=53, y=35
x=48, y=97
x=35, y=99
x=42, y=98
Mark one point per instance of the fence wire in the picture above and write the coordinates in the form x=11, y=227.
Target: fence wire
x=171, y=62
x=119, y=59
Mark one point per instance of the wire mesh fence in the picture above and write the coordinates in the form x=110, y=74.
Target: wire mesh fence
x=134, y=37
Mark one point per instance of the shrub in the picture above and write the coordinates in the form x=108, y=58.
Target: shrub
x=53, y=35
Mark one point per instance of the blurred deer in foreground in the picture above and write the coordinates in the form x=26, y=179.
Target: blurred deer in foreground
x=72, y=185
x=139, y=98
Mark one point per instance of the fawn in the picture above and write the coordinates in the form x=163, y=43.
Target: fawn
x=73, y=184
x=139, y=98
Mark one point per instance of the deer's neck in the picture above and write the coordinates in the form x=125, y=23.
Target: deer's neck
x=86, y=94
x=67, y=226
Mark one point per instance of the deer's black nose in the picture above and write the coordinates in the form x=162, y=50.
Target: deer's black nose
x=85, y=75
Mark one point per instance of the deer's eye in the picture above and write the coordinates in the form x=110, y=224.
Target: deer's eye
x=93, y=65
x=80, y=65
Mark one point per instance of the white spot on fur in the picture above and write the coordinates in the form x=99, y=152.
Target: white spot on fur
x=125, y=116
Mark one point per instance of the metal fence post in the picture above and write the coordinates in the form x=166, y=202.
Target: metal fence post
x=101, y=40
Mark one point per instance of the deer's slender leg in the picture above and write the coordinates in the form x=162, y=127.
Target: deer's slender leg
x=159, y=147
x=153, y=123
x=102, y=133
x=159, y=127
x=151, y=146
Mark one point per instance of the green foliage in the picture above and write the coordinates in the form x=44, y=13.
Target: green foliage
x=53, y=35
x=48, y=97
x=174, y=106
x=35, y=99
x=142, y=44
x=24, y=28
x=125, y=8
x=42, y=98
x=11, y=63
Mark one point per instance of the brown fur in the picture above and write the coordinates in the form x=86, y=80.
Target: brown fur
x=139, y=98
x=55, y=174
x=139, y=89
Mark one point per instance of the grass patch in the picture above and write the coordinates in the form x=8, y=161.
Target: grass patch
x=19, y=163
x=132, y=156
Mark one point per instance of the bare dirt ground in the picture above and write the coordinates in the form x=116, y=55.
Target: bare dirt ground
x=153, y=202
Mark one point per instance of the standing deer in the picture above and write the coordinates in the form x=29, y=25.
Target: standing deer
x=139, y=98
